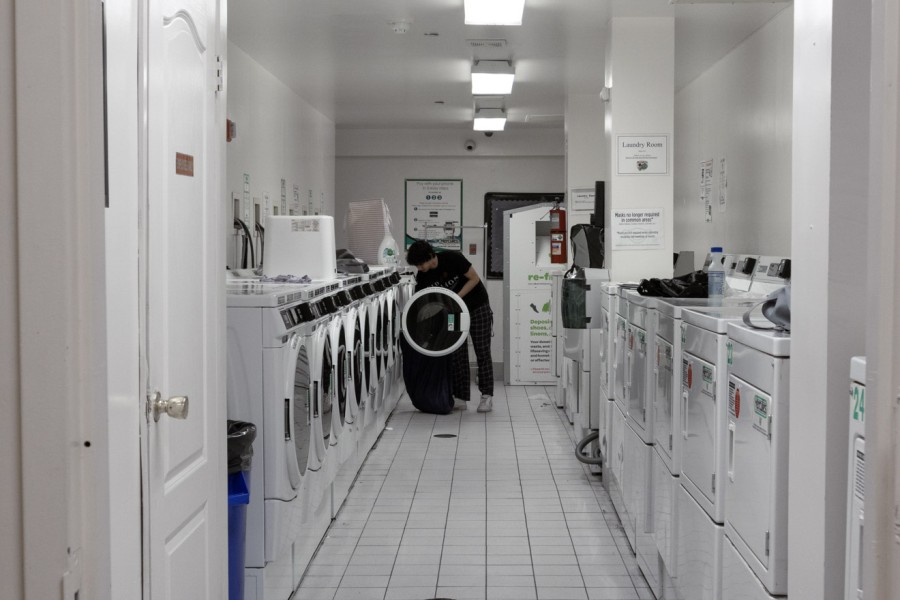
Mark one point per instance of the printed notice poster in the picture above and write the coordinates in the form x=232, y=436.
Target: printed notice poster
x=723, y=184
x=637, y=228
x=582, y=199
x=706, y=170
x=434, y=212
x=642, y=155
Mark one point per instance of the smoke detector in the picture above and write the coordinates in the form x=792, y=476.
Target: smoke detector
x=401, y=26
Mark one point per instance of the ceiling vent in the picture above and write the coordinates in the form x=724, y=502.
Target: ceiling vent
x=544, y=119
x=486, y=44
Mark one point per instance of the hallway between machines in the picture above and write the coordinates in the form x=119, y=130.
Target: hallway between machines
x=476, y=506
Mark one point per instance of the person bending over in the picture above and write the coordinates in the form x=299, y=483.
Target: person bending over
x=451, y=270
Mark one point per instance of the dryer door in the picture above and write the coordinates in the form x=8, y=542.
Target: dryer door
x=435, y=322
x=298, y=408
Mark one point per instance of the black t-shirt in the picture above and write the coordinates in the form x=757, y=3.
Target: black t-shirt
x=450, y=274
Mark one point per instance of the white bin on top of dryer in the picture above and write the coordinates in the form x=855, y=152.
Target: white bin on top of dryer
x=756, y=485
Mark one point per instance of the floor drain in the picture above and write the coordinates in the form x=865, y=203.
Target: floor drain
x=444, y=435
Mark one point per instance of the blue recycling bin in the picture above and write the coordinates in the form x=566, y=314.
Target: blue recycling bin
x=240, y=453
x=238, y=499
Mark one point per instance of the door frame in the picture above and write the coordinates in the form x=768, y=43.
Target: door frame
x=58, y=213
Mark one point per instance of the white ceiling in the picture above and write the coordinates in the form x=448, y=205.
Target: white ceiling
x=343, y=57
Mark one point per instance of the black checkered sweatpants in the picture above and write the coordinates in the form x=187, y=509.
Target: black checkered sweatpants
x=480, y=331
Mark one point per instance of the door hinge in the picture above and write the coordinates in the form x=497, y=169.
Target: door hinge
x=670, y=442
x=770, y=427
x=220, y=78
x=714, y=483
x=767, y=543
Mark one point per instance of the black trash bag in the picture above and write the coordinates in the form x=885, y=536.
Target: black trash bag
x=692, y=285
x=240, y=445
x=427, y=380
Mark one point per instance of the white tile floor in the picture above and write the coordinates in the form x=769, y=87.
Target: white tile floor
x=503, y=510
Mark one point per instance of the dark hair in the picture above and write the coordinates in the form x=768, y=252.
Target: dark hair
x=419, y=252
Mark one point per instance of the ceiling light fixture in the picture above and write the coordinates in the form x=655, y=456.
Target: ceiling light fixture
x=492, y=77
x=489, y=119
x=494, y=12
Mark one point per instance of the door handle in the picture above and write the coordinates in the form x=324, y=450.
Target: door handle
x=175, y=407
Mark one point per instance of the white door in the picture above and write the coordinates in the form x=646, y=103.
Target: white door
x=185, y=499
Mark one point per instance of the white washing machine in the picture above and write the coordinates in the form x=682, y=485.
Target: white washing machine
x=373, y=367
x=273, y=331
x=346, y=344
x=325, y=380
x=856, y=480
x=704, y=400
x=756, y=483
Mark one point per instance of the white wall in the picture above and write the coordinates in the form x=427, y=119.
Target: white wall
x=123, y=340
x=11, y=551
x=740, y=110
x=641, y=72
x=279, y=136
x=831, y=169
x=587, y=149
x=533, y=162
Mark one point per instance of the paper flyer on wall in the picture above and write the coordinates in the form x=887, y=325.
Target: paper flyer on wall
x=434, y=212
x=706, y=170
x=637, y=228
x=723, y=184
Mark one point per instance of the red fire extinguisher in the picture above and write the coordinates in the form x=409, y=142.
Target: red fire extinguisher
x=558, y=243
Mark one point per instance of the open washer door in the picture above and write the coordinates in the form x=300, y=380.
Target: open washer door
x=435, y=322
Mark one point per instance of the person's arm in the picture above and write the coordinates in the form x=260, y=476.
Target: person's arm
x=472, y=280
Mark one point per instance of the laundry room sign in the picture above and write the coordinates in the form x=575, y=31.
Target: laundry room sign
x=642, y=155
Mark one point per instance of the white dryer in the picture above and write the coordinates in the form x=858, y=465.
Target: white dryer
x=756, y=483
x=435, y=322
x=272, y=331
x=856, y=480
x=666, y=459
x=606, y=359
x=704, y=400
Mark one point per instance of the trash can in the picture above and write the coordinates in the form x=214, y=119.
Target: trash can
x=240, y=453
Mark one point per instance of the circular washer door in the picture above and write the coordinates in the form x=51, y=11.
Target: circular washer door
x=297, y=411
x=326, y=381
x=342, y=368
x=358, y=359
x=435, y=322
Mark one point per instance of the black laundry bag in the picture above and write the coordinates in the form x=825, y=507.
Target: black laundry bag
x=692, y=285
x=427, y=380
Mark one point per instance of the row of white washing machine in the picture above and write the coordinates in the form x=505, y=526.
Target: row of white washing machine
x=317, y=368
x=692, y=418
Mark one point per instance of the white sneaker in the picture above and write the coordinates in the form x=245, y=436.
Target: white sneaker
x=460, y=404
x=486, y=404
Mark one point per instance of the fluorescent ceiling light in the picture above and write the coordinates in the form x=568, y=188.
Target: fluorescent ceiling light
x=489, y=119
x=492, y=77
x=494, y=12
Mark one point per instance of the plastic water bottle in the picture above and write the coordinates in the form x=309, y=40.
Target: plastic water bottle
x=716, y=276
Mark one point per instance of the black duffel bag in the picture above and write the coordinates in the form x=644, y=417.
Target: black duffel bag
x=692, y=285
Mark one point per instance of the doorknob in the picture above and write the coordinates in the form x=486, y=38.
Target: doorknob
x=176, y=406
